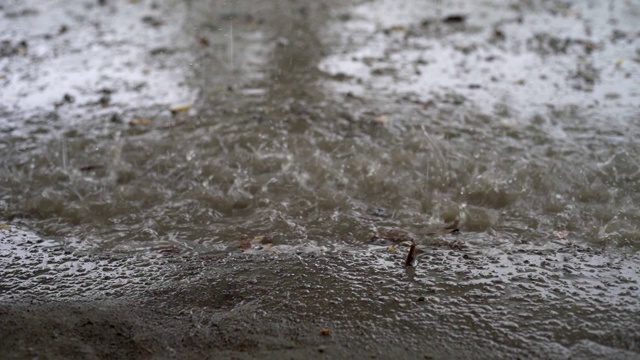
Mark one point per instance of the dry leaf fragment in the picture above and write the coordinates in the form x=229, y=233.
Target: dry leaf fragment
x=203, y=41
x=325, y=332
x=180, y=109
x=382, y=119
x=399, y=28
x=261, y=240
x=244, y=244
x=266, y=240
x=140, y=122
x=5, y=227
x=561, y=235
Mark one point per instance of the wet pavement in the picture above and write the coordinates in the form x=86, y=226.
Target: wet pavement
x=209, y=178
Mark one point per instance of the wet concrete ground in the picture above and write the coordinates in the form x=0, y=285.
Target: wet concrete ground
x=567, y=302
x=242, y=227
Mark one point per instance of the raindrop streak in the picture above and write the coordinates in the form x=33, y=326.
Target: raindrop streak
x=231, y=44
x=64, y=154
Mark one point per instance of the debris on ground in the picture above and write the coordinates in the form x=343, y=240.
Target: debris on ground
x=411, y=257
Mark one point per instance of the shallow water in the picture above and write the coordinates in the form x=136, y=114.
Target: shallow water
x=316, y=129
x=428, y=123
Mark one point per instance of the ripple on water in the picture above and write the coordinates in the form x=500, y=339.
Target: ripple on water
x=307, y=169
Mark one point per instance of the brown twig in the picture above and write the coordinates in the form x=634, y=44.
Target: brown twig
x=411, y=257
